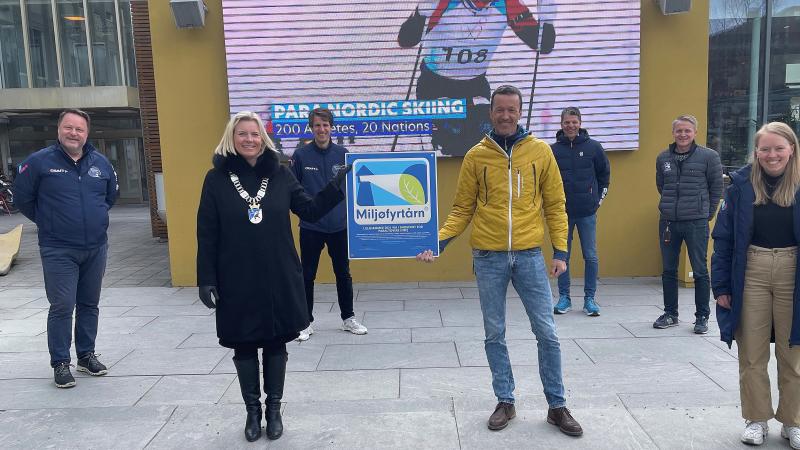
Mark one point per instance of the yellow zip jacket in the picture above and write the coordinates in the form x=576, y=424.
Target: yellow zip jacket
x=504, y=197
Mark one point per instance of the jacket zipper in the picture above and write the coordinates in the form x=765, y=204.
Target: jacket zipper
x=510, y=200
x=510, y=195
x=510, y=190
x=519, y=184
x=322, y=221
x=485, y=188
x=83, y=206
x=677, y=186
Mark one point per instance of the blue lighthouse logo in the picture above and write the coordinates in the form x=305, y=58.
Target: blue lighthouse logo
x=392, y=191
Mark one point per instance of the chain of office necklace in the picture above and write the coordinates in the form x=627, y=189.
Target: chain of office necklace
x=254, y=210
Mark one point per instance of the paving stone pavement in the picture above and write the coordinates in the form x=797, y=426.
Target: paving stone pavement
x=419, y=379
x=135, y=258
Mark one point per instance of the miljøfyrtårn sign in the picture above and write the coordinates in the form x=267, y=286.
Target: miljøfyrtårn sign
x=392, y=205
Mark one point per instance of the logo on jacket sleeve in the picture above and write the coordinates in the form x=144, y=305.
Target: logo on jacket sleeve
x=94, y=172
x=22, y=168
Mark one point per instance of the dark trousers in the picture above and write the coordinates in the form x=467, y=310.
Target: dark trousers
x=695, y=234
x=311, y=243
x=72, y=280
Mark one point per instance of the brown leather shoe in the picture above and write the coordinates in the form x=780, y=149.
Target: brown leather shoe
x=503, y=412
x=562, y=418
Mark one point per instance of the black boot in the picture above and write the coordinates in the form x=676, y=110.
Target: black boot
x=274, y=375
x=247, y=369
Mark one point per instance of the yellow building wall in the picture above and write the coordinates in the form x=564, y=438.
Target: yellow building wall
x=191, y=89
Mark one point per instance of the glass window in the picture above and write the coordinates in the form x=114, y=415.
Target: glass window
x=13, y=73
x=42, y=41
x=754, y=48
x=74, y=54
x=124, y=156
x=735, y=79
x=105, y=46
x=116, y=122
x=127, y=42
x=784, y=66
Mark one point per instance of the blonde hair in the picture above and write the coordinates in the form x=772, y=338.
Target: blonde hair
x=226, y=146
x=790, y=181
x=685, y=118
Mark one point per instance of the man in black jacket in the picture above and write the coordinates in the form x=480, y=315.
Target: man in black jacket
x=689, y=179
x=314, y=165
x=586, y=174
x=67, y=190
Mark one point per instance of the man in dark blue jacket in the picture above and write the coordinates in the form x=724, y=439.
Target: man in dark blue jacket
x=67, y=190
x=314, y=165
x=586, y=173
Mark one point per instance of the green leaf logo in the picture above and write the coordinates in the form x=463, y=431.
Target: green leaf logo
x=411, y=190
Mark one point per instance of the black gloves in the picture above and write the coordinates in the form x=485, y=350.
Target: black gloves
x=411, y=30
x=530, y=36
x=206, y=294
x=340, y=176
x=548, y=38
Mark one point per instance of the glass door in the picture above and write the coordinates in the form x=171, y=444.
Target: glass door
x=124, y=156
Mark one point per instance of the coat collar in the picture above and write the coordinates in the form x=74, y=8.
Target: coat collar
x=673, y=149
x=87, y=149
x=582, y=137
x=742, y=175
x=509, y=141
x=266, y=165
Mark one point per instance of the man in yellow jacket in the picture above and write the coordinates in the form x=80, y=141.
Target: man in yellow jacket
x=506, y=181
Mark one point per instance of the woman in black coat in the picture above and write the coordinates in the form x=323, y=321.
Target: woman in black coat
x=247, y=265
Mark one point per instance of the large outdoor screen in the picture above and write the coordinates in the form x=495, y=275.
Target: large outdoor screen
x=417, y=76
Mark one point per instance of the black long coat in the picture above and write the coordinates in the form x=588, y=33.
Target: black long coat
x=255, y=266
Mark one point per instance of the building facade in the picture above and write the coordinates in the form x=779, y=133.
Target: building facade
x=735, y=64
x=57, y=54
x=754, y=72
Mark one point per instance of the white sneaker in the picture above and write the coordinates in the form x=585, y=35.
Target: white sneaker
x=793, y=435
x=754, y=432
x=305, y=334
x=353, y=326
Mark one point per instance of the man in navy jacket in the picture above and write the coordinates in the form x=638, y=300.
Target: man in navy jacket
x=67, y=190
x=314, y=165
x=586, y=173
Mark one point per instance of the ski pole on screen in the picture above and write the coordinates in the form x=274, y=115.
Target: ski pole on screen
x=546, y=44
x=411, y=34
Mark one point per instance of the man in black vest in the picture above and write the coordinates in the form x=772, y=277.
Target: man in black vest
x=689, y=179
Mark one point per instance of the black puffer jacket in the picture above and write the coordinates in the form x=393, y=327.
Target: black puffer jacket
x=255, y=266
x=691, y=189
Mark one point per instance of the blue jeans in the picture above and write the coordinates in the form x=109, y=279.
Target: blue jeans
x=695, y=234
x=587, y=230
x=72, y=280
x=526, y=271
